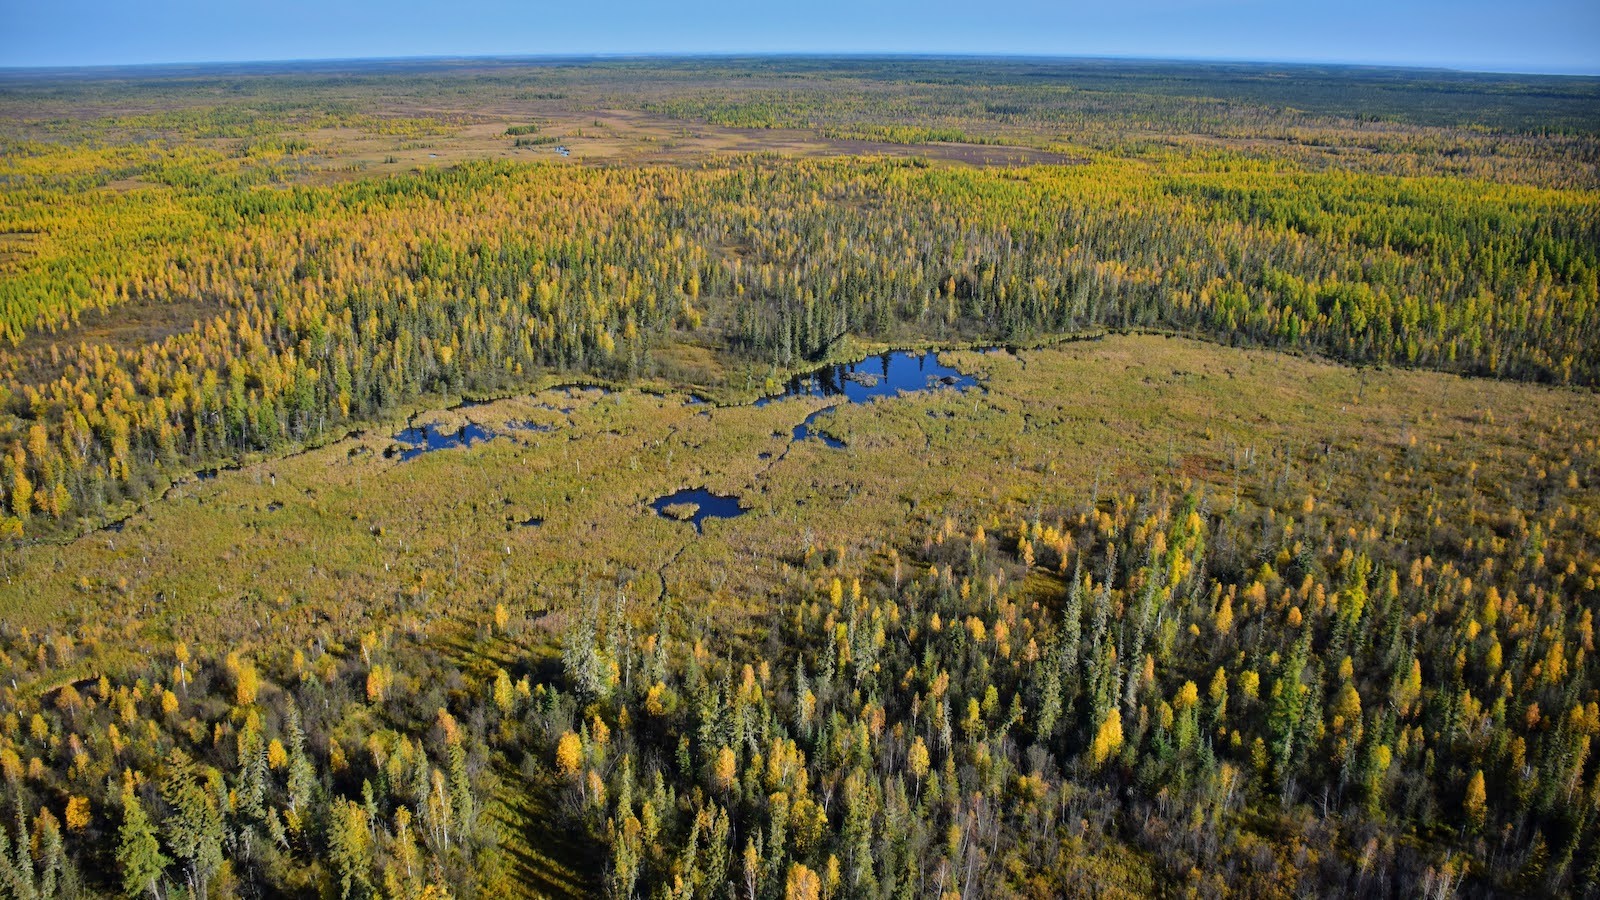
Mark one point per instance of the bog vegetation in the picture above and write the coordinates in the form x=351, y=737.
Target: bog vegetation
x=1301, y=656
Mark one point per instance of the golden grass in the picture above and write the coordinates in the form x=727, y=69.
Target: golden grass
x=283, y=549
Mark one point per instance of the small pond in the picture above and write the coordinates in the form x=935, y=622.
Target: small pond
x=885, y=375
x=427, y=438
x=422, y=439
x=803, y=430
x=696, y=505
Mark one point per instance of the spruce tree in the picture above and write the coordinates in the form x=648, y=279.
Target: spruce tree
x=138, y=851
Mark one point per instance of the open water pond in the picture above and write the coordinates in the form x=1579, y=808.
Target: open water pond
x=696, y=505
x=885, y=375
x=803, y=430
x=427, y=438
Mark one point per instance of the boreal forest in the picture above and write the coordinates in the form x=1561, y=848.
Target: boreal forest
x=802, y=478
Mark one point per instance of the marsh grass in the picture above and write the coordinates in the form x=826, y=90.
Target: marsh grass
x=358, y=536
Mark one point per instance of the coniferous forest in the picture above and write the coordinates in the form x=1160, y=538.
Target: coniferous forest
x=798, y=478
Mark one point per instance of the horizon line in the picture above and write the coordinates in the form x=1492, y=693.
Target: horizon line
x=604, y=55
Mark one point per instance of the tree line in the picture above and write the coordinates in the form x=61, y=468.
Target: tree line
x=315, y=307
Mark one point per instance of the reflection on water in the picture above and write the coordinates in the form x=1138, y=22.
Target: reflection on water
x=885, y=375
x=803, y=430
x=696, y=505
x=427, y=438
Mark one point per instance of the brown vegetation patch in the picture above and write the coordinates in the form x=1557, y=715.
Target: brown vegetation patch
x=1200, y=467
x=16, y=246
x=123, y=327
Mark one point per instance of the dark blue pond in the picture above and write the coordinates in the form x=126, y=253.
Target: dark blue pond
x=427, y=438
x=208, y=474
x=885, y=375
x=709, y=506
x=803, y=430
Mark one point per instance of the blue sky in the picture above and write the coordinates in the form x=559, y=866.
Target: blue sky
x=1521, y=36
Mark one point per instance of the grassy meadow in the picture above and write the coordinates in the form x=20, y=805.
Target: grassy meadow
x=359, y=534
